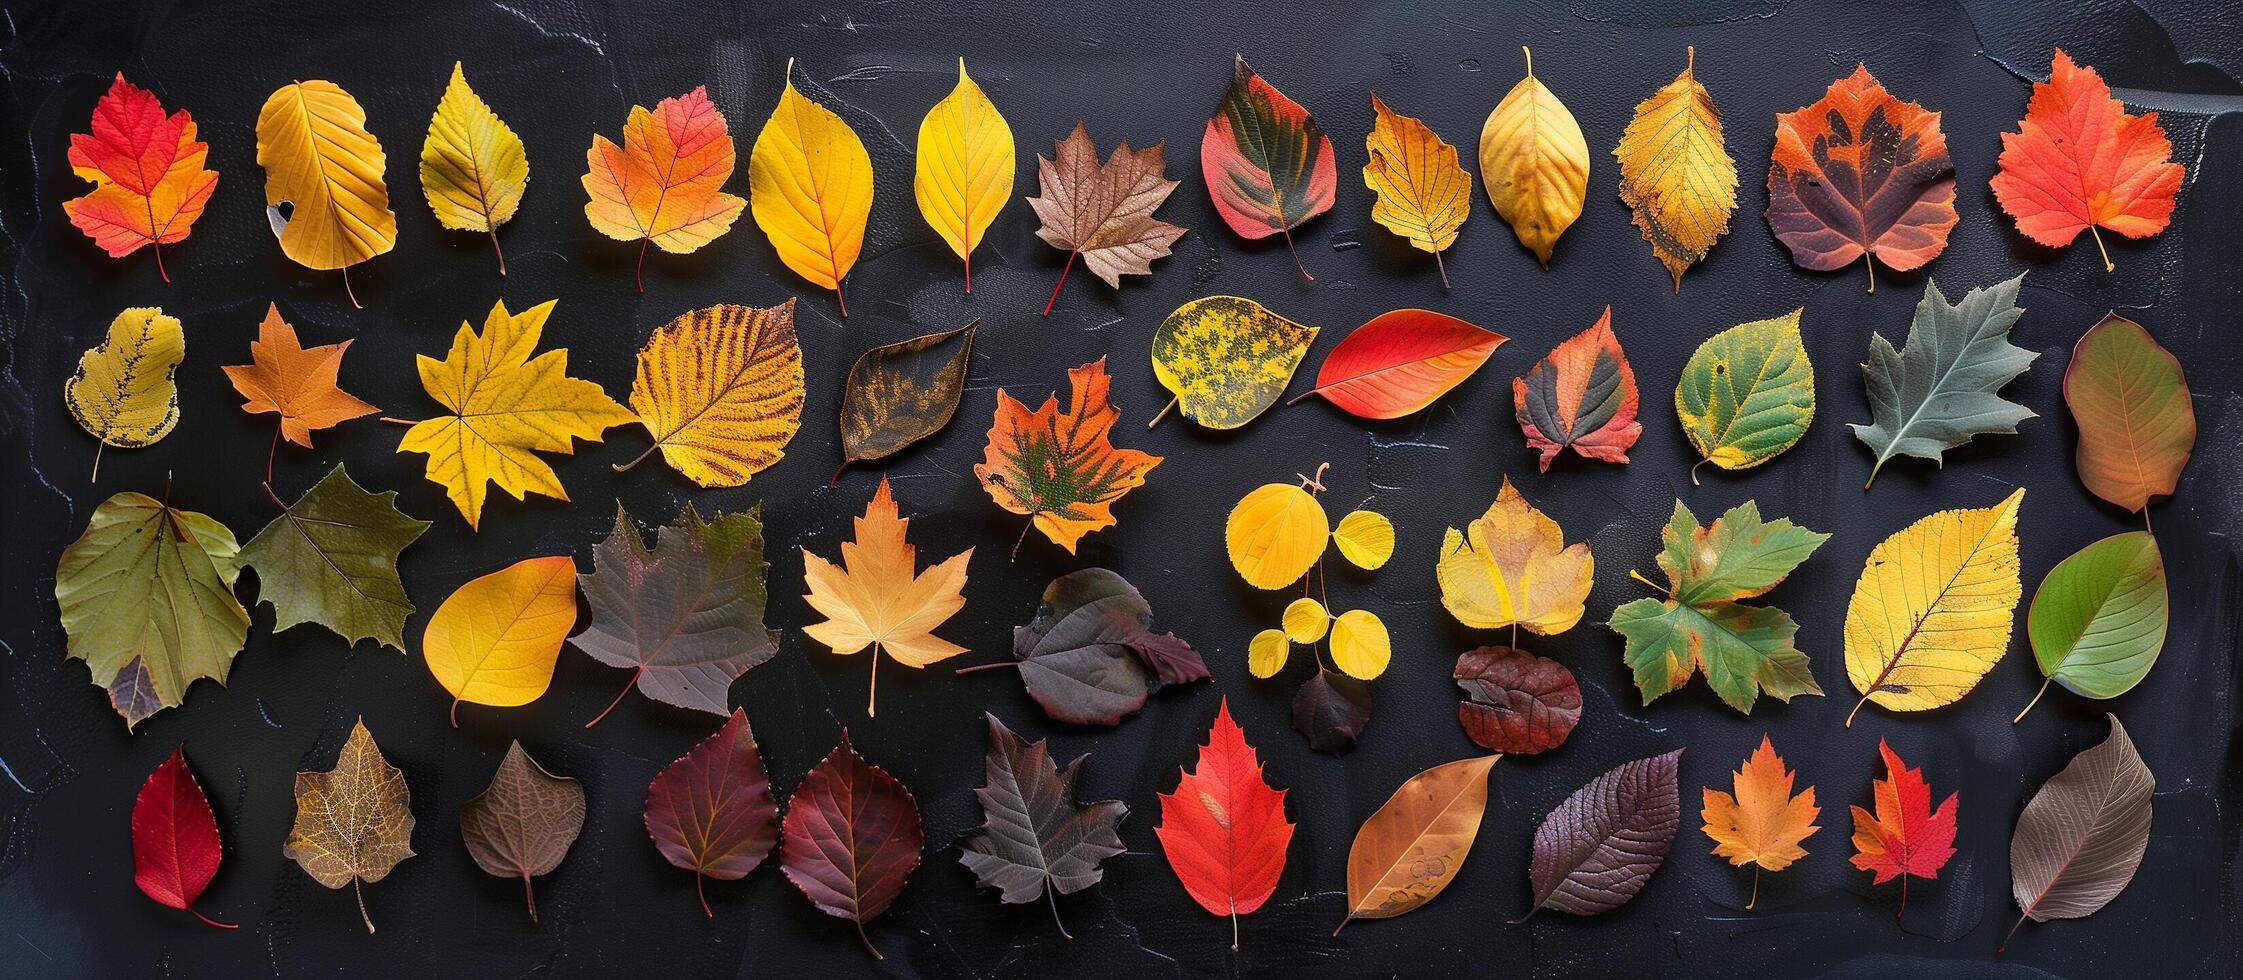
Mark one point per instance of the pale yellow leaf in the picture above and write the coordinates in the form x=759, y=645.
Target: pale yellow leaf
x=1513, y=567
x=1535, y=164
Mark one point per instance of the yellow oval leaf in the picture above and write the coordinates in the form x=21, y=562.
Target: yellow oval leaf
x=810, y=185
x=1266, y=654
x=1305, y=620
x=1932, y=612
x=320, y=161
x=1365, y=538
x=1534, y=164
x=495, y=639
x=473, y=168
x=720, y=390
x=123, y=392
x=1423, y=195
x=1226, y=358
x=1675, y=172
x=1275, y=535
x=1413, y=846
x=1513, y=567
x=966, y=167
x=1360, y=645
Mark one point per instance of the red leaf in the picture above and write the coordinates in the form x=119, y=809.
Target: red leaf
x=711, y=811
x=1906, y=836
x=1267, y=164
x=147, y=171
x=1861, y=173
x=1400, y=362
x=175, y=847
x=1515, y=702
x=2080, y=161
x=852, y=838
x=1224, y=828
x=1583, y=395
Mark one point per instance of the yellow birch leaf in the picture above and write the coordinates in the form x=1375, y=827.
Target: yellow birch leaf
x=1305, y=620
x=473, y=167
x=1266, y=655
x=1422, y=194
x=810, y=186
x=1275, y=534
x=123, y=392
x=966, y=167
x=494, y=640
x=1365, y=538
x=1675, y=172
x=321, y=162
x=1534, y=163
x=720, y=390
x=1361, y=647
x=1512, y=567
x=1931, y=614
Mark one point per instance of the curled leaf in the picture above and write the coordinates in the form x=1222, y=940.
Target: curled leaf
x=1516, y=703
x=1090, y=655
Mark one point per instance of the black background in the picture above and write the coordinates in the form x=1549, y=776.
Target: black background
x=560, y=70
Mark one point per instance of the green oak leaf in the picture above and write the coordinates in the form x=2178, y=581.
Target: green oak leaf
x=331, y=559
x=1747, y=394
x=685, y=615
x=2098, y=620
x=1744, y=650
x=147, y=598
x=1939, y=390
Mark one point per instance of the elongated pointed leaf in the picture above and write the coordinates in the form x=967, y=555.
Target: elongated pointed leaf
x=1224, y=828
x=1400, y=362
x=1940, y=390
x=1406, y=854
x=175, y=845
x=2082, y=836
x=900, y=393
x=1932, y=611
x=1598, y=848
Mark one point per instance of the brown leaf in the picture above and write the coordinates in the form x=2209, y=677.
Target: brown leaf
x=1036, y=841
x=1104, y=213
x=1595, y=851
x=353, y=822
x=900, y=393
x=1515, y=702
x=1410, y=849
x=2081, y=837
x=523, y=824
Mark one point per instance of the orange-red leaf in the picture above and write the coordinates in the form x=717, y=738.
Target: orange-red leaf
x=1062, y=469
x=1763, y=823
x=1905, y=836
x=295, y=381
x=665, y=184
x=1583, y=395
x=1268, y=166
x=1861, y=173
x=147, y=170
x=1224, y=828
x=2080, y=161
x=1401, y=361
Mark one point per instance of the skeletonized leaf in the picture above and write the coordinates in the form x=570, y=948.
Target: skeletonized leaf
x=331, y=559
x=473, y=168
x=1423, y=195
x=1227, y=359
x=900, y=393
x=353, y=822
x=1861, y=174
x=1676, y=174
x=720, y=389
x=1400, y=362
x=1582, y=396
x=1515, y=702
x=965, y=170
x=851, y=838
x=1942, y=388
x=1598, y=848
x=1747, y=394
x=1034, y=835
x=2081, y=837
x=1932, y=612
x=2137, y=425
x=522, y=826
x=1534, y=163
x=1410, y=850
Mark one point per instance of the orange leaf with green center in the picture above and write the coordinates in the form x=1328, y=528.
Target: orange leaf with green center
x=147, y=170
x=1861, y=175
x=2080, y=161
x=1062, y=468
x=1763, y=823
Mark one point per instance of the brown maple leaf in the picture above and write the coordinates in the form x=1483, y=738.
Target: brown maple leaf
x=1062, y=469
x=1103, y=212
x=295, y=381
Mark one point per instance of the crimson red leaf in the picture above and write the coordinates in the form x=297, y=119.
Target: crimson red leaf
x=1515, y=702
x=1224, y=828
x=1583, y=395
x=851, y=838
x=1401, y=361
x=175, y=847
x=711, y=811
x=1905, y=838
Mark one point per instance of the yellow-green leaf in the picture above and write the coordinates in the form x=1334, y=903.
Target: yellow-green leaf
x=147, y=600
x=495, y=639
x=473, y=168
x=1534, y=164
x=1275, y=534
x=810, y=186
x=1365, y=538
x=1360, y=645
x=1227, y=359
x=1931, y=614
x=123, y=392
x=1748, y=393
x=966, y=167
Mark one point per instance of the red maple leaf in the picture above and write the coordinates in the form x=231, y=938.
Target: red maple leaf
x=2080, y=161
x=1906, y=838
x=147, y=170
x=1224, y=828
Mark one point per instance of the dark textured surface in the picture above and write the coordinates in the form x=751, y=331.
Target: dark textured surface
x=559, y=70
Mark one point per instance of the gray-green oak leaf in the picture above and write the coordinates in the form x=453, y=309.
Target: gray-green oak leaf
x=331, y=559
x=1941, y=389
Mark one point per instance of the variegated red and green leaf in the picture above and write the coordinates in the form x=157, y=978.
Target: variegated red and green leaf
x=1267, y=164
x=1062, y=469
x=1861, y=175
x=1583, y=395
x=1400, y=361
x=2137, y=424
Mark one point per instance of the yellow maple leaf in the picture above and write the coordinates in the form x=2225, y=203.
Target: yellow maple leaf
x=720, y=390
x=321, y=162
x=876, y=597
x=494, y=640
x=1422, y=194
x=1763, y=824
x=1675, y=172
x=507, y=406
x=1932, y=612
x=1534, y=163
x=1513, y=568
x=123, y=393
x=966, y=167
x=473, y=167
x=810, y=186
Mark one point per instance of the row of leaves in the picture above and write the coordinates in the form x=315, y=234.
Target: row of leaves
x=1859, y=174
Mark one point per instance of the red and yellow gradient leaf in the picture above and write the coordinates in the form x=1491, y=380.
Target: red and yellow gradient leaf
x=147, y=170
x=1268, y=166
x=2080, y=161
x=1224, y=828
x=1861, y=175
x=1400, y=362
x=1062, y=469
x=1583, y=395
x=665, y=184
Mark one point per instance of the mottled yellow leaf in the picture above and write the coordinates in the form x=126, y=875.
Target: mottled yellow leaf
x=494, y=640
x=1360, y=645
x=473, y=168
x=1931, y=614
x=1365, y=538
x=321, y=162
x=1305, y=620
x=1534, y=164
x=123, y=392
x=1675, y=172
x=1422, y=194
x=1512, y=567
x=1267, y=653
x=1226, y=359
x=720, y=390
x=966, y=167
x=1275, y=534
x=810, y=186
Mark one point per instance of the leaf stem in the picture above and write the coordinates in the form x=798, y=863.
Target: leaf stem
x=158, y=248
x=2029, y=704
x=1062, y=280
x=1694, y=472
x=841, y=301
x=274, y=497
x=455, y=713
x=270, y=452
x=1156, y=419
x=230, y=925
x=969, y=259
x=1444, y=267
x=1857, y=710
x=502, y=274
x=1638, y=576
x=1297, y=255
x=1755, y=899
x=702, y=894
x=358, y=888
x=835, y=479
x=2012, y=933
x=1023, y=539
x=528, y=895
x=981, y=667
x=1234, y=927
x=867, y=941
x=638, y=272
x=1903, y=897
x=97, y=448
x=1051, y=895
x=1529, y=60
x=394, y=421
x=2108, y=265
x=347, y=291
x=1873, y=473
x=627, y=685
x=640, y=458
x=872, y=687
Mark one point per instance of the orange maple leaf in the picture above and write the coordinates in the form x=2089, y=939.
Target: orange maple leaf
x=1763, y=824
x=1062, y=469
x=2080, y=161
x=147, y=170
x=665, y=184
x=1906, y=837
x=876, y=597
x=1861, y=174
x=295, y=381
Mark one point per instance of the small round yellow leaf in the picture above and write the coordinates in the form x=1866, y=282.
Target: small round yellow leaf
x=1360, y=645
x=1305, y=620
x=494, y=641
x=1275, y=535
x=1365, y=538
x=1265, y=656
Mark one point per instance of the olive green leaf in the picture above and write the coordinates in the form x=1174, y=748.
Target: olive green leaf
x=331, y=559
x=147, y=597
x=1227, y=359
x=900, y=393
x=1747, y=394
x=1939, y=390
x=2098, y=619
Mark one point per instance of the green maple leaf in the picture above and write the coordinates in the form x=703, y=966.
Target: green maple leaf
x=331, y=559
x=1939, y=390
x=1744, y=650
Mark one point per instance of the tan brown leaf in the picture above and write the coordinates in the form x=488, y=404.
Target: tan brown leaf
x=353, y=822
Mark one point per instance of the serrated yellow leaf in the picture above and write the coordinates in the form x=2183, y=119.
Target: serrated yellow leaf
x=473, y=168
x=720, y=390
x=1513, y=567
x=1305, y=620
x=123, y=392
x=321, y=162
x=1675, y=173
x=1361, y=647
x=1267, y=653
x=507, y=407
x=1932, y=612
x=494, y=640
x=1275, y=535
x=810, y=185
x=1534, y=163
x=1422, y=194
x=966, y=167
x=1365, y=538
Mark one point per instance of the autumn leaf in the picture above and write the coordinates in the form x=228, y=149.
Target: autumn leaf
x=494, y=640
x=1227, y=359
x=1365, y=538
x=1513, y=568
x=1905, y=838
x=322, y=163
x=123, y=392
x=1676, y=174
x=331, y=558
x=1423, y=195
x=1763, y=824
x=506, y=407
x=1103, y=212
x=1036, y=841
x=1516, y=703
x=1944, y=387
x=473, y=168
x=2137, y=424
x=1062, y=468
x=1534, y=163
x=685, y=615
x=1861, y=174
x=1361, y=646
x=875, y=597
x=1702, y=624
x=1582, y=396
x=810, y=183
x=665, y=184
x=1331, y=709
x=149, y=182
x=965, y=169
x=1401, y=361
x=1267, y=164
x=2098, y=620
x=1409, y=851
x=1275, y=534
x=2081, y=837
x=1090, y=656
x=175, y=845
x=2079, y=160
x=295, y=382
x=1600, y=847
x=851, y=838
x=720, y=390
x=1931, y=613
x=523, y=824
x=353, y=822
x=710, y=811
x=147, y=600
x=1747, y=394
x=1223, y=828
x=900, y=393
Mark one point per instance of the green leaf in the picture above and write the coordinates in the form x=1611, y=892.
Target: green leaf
x=147, y=598
x=1744, y=650
x=2098, y=620
x=331, y=559
x=1748, y=393
x=1939, y=391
